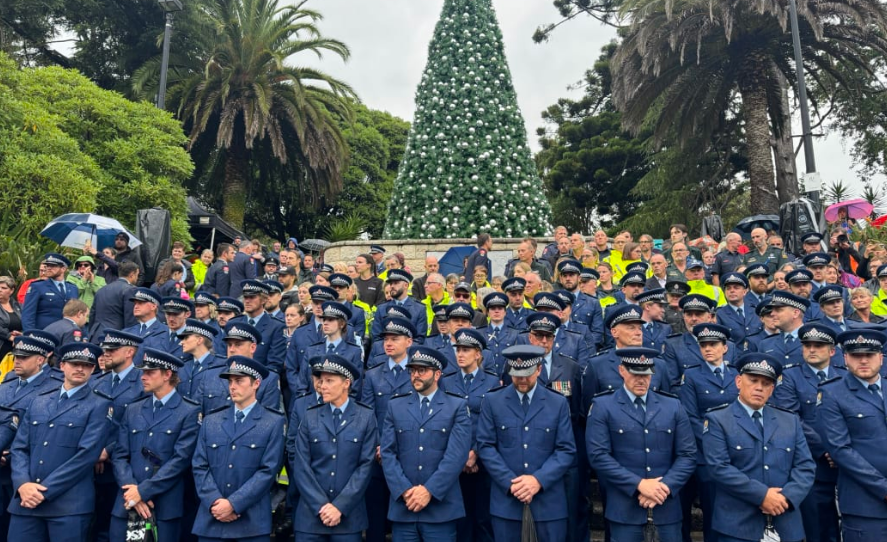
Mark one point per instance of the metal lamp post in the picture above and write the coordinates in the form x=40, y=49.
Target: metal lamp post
x=169, y=7
x=809, y=160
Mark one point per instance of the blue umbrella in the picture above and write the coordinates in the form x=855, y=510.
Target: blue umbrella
x=454, y=260
x=75, y=229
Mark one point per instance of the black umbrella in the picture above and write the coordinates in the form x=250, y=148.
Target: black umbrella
x=747, y=224
x=651, y=533
x=528, y=526
x=314, y=245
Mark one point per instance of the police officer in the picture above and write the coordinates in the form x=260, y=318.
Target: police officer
x=377, y=350
x=334, y=322
x=378, y=254
x=623, y=422
x=155, y=442
x=425, y=441
x=239, y=453
x=800, y=283
x=381, y=383
x=440, y=334
x=816, y=263
x=758, y=453
x=768, y=327
x=682, y=351
x=498, y=335
x=586, y=309
x=798, y=391
x=674, y=291
x=811, y=242
x=653, y=303
x=852, y=413
x=119, y=384
x=788, y=316
x=758, y=276
x=737, y=315
x=197, y=344
x=241, y=268
x=341, y=283
x=205, y=307
x=588, y=344
x=398, y=281
x=625, y=325
x=708, y=385
x=570, y=343
x=229, y=308
x=518, y=309
x=218, y=278
x=831, y=305
x=333, y=450
x=525, y=441
x=29, y=377
x=272, y=303
x=479, y=257
x=46, y=298
x=153, y=332
x=57, y=444
x=306, y=335
x=271, y=350
x=472, y=382
x=176, y=311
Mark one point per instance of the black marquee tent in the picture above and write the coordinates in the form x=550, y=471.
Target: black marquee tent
x=207, y=228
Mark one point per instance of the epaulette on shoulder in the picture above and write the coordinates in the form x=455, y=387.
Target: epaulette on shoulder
x=401, y=395
x=497, y=388
x=190, y=401
x=134, y=401
x=491, y=373
x=783, y=409
x=104, y=374
x=274, y=411
x=51, y=390
x=605, y=392
x=219, y=409
x=572, y=332
x=305, y=394
x=831, y=380
x=9, y=379
x=454, y=395
x=673, y=335
x=8, y=409
x=602, y=352
x=666, y=394
x=102, y=394
x=364, y=405
x=375, y=367
x=312, y=407
x=719, y=407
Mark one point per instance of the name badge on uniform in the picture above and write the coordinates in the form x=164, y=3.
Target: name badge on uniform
x=705, y=427
x=563, y=387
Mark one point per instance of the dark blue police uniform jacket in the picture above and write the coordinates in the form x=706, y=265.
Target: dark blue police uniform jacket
x=626, y=445
x=67, y=331
x=430, y=452
x=517, y=319
x=345, y=348
x=798, y=391
x=192, y=374
x=540, y=443
x=791, y=354
x=44, y=303
x=171, y=434
x=331, y=464
x=358, y=320
x=744, y=466
x=57, y=445
x=217, y=280
x=655, y=335
x=856, y=432
x=9, y=420
x=587, y=310
x=212, y=392
x=156, y=336
x=682, y=352
x=111, y=309
x=603, y=374
x=497, y=341
x=740, y=328
x=19, y=399
x=273, y=349
x=238, y=463
x=483, y=382
x=418, y=316
x=129, y=390
x=565, y=342
x=296, y=352
x=242, y=268
x=702, y=390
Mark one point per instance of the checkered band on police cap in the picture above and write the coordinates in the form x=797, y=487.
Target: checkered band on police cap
x=470, y=338
x=636, y=361
x=816, y=333
x=398, y=274
x=196, y=327
x=760, y=367
x=334, y=365
x=640, y=267
x=828, y=293
x=144, y=294
x=440, y=312
x=400, y=312
x=757, y=269
x=657, y=295
x=118, y=339
x=711, y=333
x=175, y=304
x=240, y=332
x=569, y=266
x=460, y=311
x=254, y=287
x=514, y=284
x=523, y=357
x=241, y=368
x=544, y=322
x=761, y=364
x=633, y=277
x=340, y=280
x=631, y=314
x=495, y=299
x=427, y=357
x=203, y=298
x=393, y=326
x=817, y=259
x=44, y=337
x=734, y=278
x=861, y=341
x=29, y=346
x=546, y=301
x=79, y=352
x=332, y=309
x=695, y=303
x=799, y=275
x=589, y=274
x=882, y=271
x=785, y=299
x=230, y=305
x=54, y=258
x=155, y=359
x=323, y=293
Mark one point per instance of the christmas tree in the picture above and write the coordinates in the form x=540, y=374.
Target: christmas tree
x=467, y=167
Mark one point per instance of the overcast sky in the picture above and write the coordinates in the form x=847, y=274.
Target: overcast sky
x=389, y=44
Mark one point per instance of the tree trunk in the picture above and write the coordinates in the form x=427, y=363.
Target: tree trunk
x=757, y=135
x=234, y=186
x=783, y=146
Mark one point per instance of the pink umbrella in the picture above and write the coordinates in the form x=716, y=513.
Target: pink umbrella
x=856, y=209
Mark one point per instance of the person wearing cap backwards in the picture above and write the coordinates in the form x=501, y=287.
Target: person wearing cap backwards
x=788, y=315
x=425, y=442
x=153, y=332
x=271, y=350
x=626, y=326
x=155, y=441
x=472, y=382
x=798, y=391
x=526, y=443
x=622, y=422
x=758, y=454
x=177, y=311
x=710, y=384
x=29, y=377
x=334, y=322
x=228, y=308
x=737, y=315
x=674, y=317
x=341, y=283
x=239, y=453
x=332, y=451
x=497, y=335
x=55, y=449
x=399, y=281
x=586, y=309
x=653, y=303
x=197, y=345
x=46, y=299
x=758, y=285
x=852, y=412
x=518, y=308
x=682, y=351
x=381, y=383
x=119, y=384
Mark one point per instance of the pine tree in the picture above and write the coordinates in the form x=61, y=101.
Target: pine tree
x=467, y=168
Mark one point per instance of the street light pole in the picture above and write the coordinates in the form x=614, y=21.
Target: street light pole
x=809, y=160
x=169, y=7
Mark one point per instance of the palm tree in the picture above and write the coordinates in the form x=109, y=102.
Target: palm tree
x=236, y=88
x=684, y=62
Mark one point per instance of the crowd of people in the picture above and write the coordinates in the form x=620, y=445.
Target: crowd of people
x=734, y=378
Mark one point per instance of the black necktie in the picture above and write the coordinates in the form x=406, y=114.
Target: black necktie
x=61, y=288
x=64, y=397
x=756, y=416
x=397, y=370
x=239, y=416
x=875, y=389
x=142, y=329
x=319, y=399
x=337, y=416
x=252, y=322
x=740, y=313
x=425, y=408
x=525, y=403
x=467, y=379
x=21, y=384
x=158, y=404
x=639, y=404
x=789, y=340
x=115, y=382
x=719, y=374
x=821, y=375
x=331, y=348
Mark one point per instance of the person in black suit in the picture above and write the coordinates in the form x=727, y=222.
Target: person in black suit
x=111, y=308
